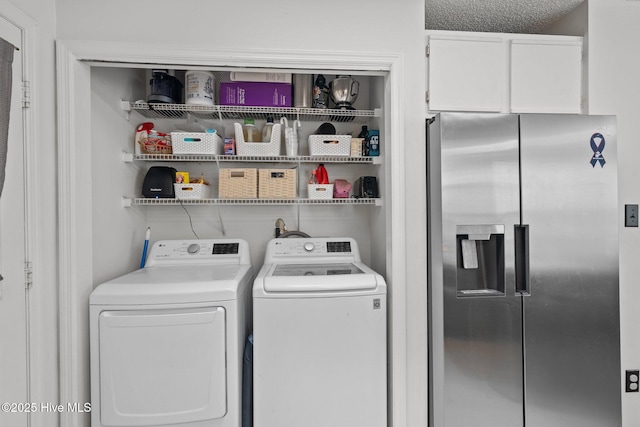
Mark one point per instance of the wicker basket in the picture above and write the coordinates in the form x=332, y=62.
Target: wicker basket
x=238, y=183
x=329, y=145
x=271, y=148
x=196, y=143
x=277, y=184
x=192, y=191
x=155, y=145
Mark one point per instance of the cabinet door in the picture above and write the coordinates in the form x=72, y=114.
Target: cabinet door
x=546, y=77
x=466, y=74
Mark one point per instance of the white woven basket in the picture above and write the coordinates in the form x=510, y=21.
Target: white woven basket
x=320, y=191
x=329, y=145
x=196, y=143
x=192, y=191
x=271, y=148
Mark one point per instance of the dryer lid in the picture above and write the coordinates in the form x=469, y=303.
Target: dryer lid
x=174, y=285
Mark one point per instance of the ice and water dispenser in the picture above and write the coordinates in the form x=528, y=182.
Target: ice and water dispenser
x=480, y=260
x=480, y=254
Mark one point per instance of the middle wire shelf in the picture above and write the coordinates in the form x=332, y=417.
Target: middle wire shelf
x=129, y=157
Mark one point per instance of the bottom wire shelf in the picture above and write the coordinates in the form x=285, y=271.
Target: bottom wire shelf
x=133, y=201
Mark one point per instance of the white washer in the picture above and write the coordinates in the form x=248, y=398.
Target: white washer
x=319, y=331
x=167, y=340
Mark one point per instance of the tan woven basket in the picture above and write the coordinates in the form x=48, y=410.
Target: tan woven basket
x=155, y=145
x=277, y=184
x=238, y=183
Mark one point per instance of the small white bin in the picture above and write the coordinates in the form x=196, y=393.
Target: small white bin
x=329, y=145
x=192, y=191
x=320, y=191
x=196, y=143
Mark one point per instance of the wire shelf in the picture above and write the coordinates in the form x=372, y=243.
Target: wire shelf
x=128, y=201
x=223, y=112
x=253, y=159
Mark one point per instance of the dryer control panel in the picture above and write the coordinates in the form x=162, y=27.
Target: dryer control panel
x=199, y=251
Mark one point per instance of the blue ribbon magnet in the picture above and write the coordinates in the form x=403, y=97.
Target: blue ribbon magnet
x=597, y=145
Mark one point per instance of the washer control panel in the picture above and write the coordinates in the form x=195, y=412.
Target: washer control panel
x=304, y=248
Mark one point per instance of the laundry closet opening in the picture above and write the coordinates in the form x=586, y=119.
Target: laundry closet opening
x=119, y=164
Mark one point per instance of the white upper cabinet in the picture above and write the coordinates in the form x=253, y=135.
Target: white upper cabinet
x=466, y=74
x=546, y=76
x=491, y=72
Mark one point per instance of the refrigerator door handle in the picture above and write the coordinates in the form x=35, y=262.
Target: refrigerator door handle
x=521, y=238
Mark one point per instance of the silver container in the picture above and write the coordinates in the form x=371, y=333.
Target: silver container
x=302, y=90
x=344, y=91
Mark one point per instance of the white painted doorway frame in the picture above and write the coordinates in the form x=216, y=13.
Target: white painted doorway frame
x=29, y=35
x=73, y=63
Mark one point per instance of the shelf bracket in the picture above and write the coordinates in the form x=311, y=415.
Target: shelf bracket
x=126, y=107
x=127, y=157
x=219, y=113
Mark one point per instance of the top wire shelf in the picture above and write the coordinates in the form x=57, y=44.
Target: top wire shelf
x=222, y=112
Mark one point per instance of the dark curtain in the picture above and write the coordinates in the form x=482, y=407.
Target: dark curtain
x=6, y=61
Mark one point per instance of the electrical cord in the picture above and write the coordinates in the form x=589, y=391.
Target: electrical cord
x=190, y=221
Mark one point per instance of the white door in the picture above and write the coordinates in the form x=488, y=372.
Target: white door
x=160, y=367
x=13, y=303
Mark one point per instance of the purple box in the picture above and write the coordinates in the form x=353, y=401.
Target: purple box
x=255, y=94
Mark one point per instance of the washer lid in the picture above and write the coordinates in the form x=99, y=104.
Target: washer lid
x=315, y=269
x=306, y=278
x=173, y=285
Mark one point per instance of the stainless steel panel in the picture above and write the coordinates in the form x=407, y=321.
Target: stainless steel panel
x=571, y=317
x=479, y=373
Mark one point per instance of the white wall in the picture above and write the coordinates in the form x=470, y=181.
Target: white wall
x=614, y=87
x=354, y=26
x=43, y=295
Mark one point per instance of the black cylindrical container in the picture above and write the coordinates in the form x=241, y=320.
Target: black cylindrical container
x=165, y=88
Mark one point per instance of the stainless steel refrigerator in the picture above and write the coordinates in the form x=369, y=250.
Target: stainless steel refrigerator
x=523, y=271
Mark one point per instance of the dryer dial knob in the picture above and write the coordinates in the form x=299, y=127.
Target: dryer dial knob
x=309, y=246
x=193, y=248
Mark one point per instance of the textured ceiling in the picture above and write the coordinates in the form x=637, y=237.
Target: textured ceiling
x=500, y=16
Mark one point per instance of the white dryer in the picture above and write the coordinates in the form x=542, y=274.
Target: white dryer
x=167, y=340
x=319, y=337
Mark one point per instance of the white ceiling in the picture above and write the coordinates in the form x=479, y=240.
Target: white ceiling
x=500, y=16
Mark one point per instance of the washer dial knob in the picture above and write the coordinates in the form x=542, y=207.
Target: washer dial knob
x=309, y=246
x=193, y=248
